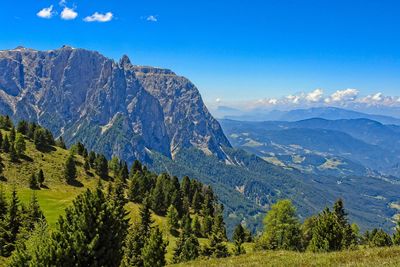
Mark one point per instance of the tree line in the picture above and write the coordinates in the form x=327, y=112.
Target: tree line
x=327, y=231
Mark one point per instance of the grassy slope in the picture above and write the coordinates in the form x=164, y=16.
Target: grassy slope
x=57, y=195
x=364, y=257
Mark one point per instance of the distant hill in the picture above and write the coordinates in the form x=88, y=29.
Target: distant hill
x=329, y=113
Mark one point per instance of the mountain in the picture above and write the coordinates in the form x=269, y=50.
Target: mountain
x=152, y=114
x=329, y=113
x=115, y=108
x=357, y=146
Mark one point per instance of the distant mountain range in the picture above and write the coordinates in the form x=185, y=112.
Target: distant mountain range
x=329, y=113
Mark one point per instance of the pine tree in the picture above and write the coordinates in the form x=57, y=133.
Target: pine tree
x=134, y=243
x=40, y=177
x=217, y=247
x=173, y=220
x=196, y=227
x=31, y=131
x=34, y=214
x=33, y=182
x=101, y=166
x=70, y=169
x=3, y=204
x=6, y=144
x=136, y=167
x=207, y=225
x=158, y=196
x=10, y=226
x=145, y=218
x=124, y=172
x=197, y=202
x=187, y=248
x=155, y=249
x=39, y=138
x=92, y=231
x=13, y=154
x=12, y=135
x=20, y=145
x=381, y=239
x=239, y=238
x=86, y=165
x=282, y=228
x=23, y=127
x=1, y=140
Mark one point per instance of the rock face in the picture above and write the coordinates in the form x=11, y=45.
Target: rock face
x=112, y=107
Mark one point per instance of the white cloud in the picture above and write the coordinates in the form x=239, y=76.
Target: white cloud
x=152, y=18
x=62, y=2
x=46, y=13
x=68, y=14
x=98, y=17
x=344, y=95
x=315, y=96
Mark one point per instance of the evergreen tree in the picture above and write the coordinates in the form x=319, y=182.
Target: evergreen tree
x=134, y=243
x=12, y=135
x=327, y=233
x=92, y=159
x=381, y=239
x=31, y=131
x=196, y=227
x=91, y=232
x=7, y=122
x=37, y=250
x=6, y=144
x=154, y=251
x=158, y=196
x=70, y=171
x=1, y=140
x=173, y=220
x=39, y=138
x=23, y=127
x=124, y=172
x=33, y=182
x=3, y=204
x=282, y=228
x=347, y=236
x=185, y=187
x=197, y=202
x=13, y=154
x=239, y=238
x=10, y=226
x=207, y=226
x=86, y=165
x=217, y=247
x=34, y=214
x=101, y=166
x=136, y=167
x=307, y=229
x=20, y=145
x=145, y=218
x=187, y=249
x=40, y=177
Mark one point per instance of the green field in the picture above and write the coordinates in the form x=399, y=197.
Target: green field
x=363, y=257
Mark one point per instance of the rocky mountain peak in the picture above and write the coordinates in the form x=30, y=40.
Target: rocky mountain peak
x=116, y=109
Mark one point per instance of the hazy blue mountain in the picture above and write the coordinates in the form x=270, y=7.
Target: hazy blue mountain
x=329, y=113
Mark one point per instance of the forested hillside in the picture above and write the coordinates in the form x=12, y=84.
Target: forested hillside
x=73, y=207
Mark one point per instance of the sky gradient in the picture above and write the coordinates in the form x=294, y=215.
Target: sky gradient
x=232, y=50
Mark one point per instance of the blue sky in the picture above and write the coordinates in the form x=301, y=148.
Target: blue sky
x=232, y=50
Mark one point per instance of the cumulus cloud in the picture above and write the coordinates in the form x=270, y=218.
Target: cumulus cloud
x=343, y=95
x=46, y=13
x=315, y=96
x=152, y=18
x=68, y=14
x=99, y=17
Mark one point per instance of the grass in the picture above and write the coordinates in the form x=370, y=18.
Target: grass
x=363, y=257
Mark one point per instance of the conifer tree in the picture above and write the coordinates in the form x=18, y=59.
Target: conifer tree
x=13, y=154
x=136, y=167
x=1, y=140
x=154, y=251
x=381, y=239
x=34, y=214
x=86, y=165
x=22, y=127
x=39, y=138
x=173, y=220
x=40, y=177
x=134, y=243
x=217, y=247
x=239, y=238
x=70, y=169
x=33, y=182
x=6, y=144
x=20, y=145
x=187, y=247
x=92, y=231
x=101, y=166
x=207, y=225
x=3, y=204
x=31, y=130
x=196, y=227
x=158, y=196
x=12, y=135
x=10, y=226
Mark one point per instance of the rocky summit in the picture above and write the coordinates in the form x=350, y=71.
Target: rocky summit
x=115, y=108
